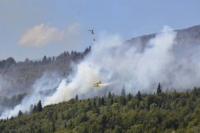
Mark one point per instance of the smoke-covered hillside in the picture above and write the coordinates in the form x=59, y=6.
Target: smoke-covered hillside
x=185, y=38
x=169, y=57
x=18, y=77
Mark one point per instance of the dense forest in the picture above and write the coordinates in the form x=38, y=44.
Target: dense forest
x=142, y=113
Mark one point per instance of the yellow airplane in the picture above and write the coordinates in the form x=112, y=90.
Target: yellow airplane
x=97, y=84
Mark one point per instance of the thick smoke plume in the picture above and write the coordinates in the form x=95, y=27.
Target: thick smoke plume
x=114, y=64
x=110, y=60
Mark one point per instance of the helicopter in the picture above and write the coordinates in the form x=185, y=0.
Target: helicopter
x=92, y=32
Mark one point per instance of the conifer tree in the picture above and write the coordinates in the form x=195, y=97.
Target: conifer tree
x=111, y=100
x=159, y=89
x=76, y=96
x=139, y=97
x=99, y=101
x=129, y=97
x=20, y=113
x=94, y=103
x=109, y=95
x=123, y=93
x=102, y=101
x=34, y=109
x=44, y=60
x=89, y=105
x=39, y=106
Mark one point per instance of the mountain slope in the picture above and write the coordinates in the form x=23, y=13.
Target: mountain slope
x=185, y=38
x=18, y=77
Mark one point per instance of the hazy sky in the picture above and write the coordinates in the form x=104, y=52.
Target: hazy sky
x=34, y=28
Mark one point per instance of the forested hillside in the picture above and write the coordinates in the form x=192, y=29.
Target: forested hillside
x=18, y=77
x=153, y=113
x=143, y=113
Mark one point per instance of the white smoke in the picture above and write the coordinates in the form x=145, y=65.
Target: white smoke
x=106, y=84
x=114, y=64
x=109, y=60
x=46, y=82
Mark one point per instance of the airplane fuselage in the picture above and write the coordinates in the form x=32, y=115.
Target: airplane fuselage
x=97, y=84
